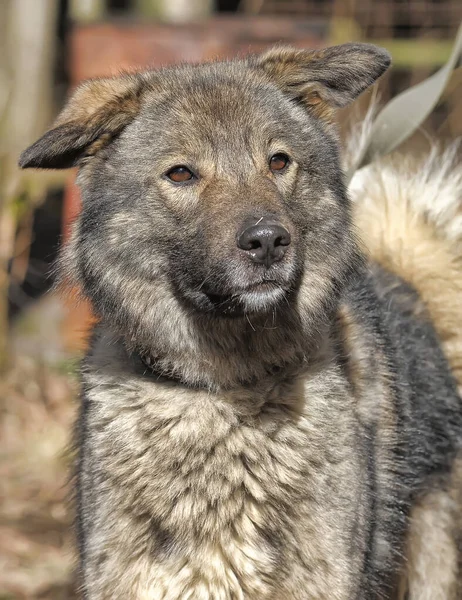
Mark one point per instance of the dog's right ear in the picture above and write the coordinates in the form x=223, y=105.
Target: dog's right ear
x=98, y=110
x=327, y=79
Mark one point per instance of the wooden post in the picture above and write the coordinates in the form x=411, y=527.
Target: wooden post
x=86, y=11
x=176, y=11
x=27, y=37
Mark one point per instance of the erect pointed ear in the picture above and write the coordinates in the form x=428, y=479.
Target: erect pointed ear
x=98, y=110
x=328, y=78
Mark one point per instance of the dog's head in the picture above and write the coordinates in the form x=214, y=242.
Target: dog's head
x=218, y=183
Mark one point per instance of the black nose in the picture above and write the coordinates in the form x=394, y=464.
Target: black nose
x=265, y=241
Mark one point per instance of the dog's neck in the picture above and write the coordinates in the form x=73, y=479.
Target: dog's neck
x=231, y=353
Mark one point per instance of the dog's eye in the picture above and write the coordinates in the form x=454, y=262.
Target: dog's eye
x=278, y=162
x=180, y=174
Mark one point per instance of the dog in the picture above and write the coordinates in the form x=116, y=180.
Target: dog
x=270, y=404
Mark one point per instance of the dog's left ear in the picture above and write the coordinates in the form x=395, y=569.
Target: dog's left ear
x=98, y=110
x=325, y=79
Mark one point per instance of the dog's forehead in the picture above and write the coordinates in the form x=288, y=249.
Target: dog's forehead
x=217, y=113
x=212, y=98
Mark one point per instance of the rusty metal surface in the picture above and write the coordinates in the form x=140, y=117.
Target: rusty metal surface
x=106, y=48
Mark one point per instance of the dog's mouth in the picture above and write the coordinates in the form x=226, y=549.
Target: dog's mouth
x=260, y=287
x=235, y=293
x=258, y=297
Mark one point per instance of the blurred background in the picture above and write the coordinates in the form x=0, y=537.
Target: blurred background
x=46, y=48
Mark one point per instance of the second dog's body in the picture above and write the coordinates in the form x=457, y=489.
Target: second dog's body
x=267, y=414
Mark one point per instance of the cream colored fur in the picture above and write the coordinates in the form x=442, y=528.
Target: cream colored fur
x=409, y=215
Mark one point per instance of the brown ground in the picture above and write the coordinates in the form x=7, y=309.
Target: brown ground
x=37, y=406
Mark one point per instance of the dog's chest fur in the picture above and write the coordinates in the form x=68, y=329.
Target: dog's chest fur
x=224, y=496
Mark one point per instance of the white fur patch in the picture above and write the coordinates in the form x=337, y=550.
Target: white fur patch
x=432, y=184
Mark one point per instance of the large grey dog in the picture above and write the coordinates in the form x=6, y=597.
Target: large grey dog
x=267, y=413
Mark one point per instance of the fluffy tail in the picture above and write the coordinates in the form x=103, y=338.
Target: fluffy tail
x=409, y=215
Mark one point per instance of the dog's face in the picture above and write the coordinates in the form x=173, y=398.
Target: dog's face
x=219, y=183
x=230, y=190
